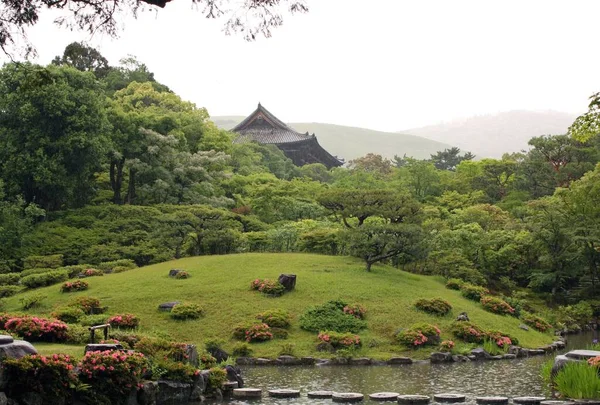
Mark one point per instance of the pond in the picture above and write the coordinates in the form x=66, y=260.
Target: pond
x=489, y=378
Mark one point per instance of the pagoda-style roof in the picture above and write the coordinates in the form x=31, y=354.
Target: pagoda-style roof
x=263, y=127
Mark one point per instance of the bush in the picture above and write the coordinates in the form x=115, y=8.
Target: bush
x=77, y=285
x=111, y=266
x=268, y=287
x=242, y=350
x=45, y=279
x=89, y=305
x=37, y=329
x=37, y=270
x=330, y=316
x=75, y=270
x=419, y=335
x=259, y=332
x=340, y=340
x=186, y=311
x=77, y=335
x=582, y=313
x=447, y=346
x=93, y=273
x=501, y=339
x=120, y=269
x=9, y=279
x=182, y=275
x=9, y=290
x=496, y=305
x=473, y=292
x=356, y=310
x=68, y=314
x=50, y=376
x=275, y=318
x=165, y=369
x=93, y=320
x=32, y=301
x=536, y=322
x=51, y=261
x=287, y=349
x=434, y=306
x=454, y=283
x=279, y=333
x=216, y=378
x=124, y=321
x=156, y=347
x=468, y=332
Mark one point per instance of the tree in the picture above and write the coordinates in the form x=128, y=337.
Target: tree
x=84, y=58
x=448, y=159
x=420, y=177
x=372, y=162
x=53, y=134
x=252, y=18
x=587, y=126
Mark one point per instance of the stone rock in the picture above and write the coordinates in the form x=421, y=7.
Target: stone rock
x=247, y=393
x=492, y=400
x=244, y=361
x=174, y=272
x=147, y=394
x=289, y=360
x=6, y=339
x=528, y=400
x=413, y=399
x=557, y=403
x=168, y=306
x=235, y=374
x=384, y=396
x=16, y=349
x=460, y=358
x=582, y=354
x=263, y=362
x=347, y=397
x=288, y=281
x=559, y=362
x=325, y=347
x=320, y=394
x=400, y=360
x=450, y=398
x=307, y=361
x=480, y=354
x=3, y=399
x=537, y=352
x=509, y=356
x=560, y=344
x=360, y=361
x=199, y=388
x=219, y=354
x=498, y=357
x=284, y=393
x=440, y=357
x=33, y=398
x=191, y=355
x=471, y=357
x=463, y=317
x=378, y=362
x=172, y=392
x=102, y=347
x=524, y=327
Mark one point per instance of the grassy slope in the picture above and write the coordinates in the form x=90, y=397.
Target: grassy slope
x=350, y=142
x=221, y=285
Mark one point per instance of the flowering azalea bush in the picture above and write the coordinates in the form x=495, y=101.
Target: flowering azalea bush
x=502, y=340
x=340, y=340
x=93, y=273
x=536, y=322
x=125, y=321
x=496, y=305
x=356, y=310
x=113, y=373
x=419, y=335
x=89, y=305
x=447, y=346
x=77, y=285
x=50, y=376
x=435, y=306
x=182, y=275
x=473, y=292
x=268, y=287
x=275, y=318
x=33, y=328
x=258, y=333
x=594, y=362
x=468, y=331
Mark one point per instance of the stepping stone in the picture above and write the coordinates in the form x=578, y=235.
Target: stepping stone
x=492, y=400
x=167, y=306
x=347, y=397
x=450, y=398
x=284, y=393
x=384, y=396
x=528, y=400
x=247, y=393
x=413, y=399
x=320, y=394
x=557, y=403
x=6, y=339
x=230, y=385
x=583, y=401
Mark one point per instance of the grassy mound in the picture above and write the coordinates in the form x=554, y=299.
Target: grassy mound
x=221, y=286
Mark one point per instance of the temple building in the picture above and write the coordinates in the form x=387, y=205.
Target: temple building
x=263, y=127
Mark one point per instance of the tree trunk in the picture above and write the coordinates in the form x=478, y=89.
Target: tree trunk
x=130, y=199
x=368, y=266
x=116, y=179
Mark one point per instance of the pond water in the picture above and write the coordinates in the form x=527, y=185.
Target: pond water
x=489, y=378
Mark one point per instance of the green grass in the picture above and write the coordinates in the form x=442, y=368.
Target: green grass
x=220, y=284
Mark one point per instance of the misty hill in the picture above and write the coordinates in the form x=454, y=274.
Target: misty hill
x=496, y=134
x=350, y=143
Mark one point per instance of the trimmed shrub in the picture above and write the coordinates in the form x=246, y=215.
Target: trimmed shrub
x=356, y=310
x=162, y=348
x=242, y=350
x=216, y=378
x=93, y=273
x=340, y=340
x=186, y=311
x=279, y=333
x=182, y=275
x=275, y=318
x=434, y=306
x=32, y=301
x=45, y=279
x=165, y=369
x=89, y=305
x=496, y=305
x=502, y=340
x=121, y=269
x=51, y=261
x=9, y=279
x=75, y=270
x=419, y=335
x=125, y=321
x=68, y=314
x=268, y=287
x=9, y=290
x=111, y=266
x=447, y=346
x=77, y=335
x=258, y=332
x=38, y=270
x=454, y=283
x=37, y=329
x=93, y=320
x=468, y=331
x=330, y=316
x=536, y=322
x=473, y=292
x=77, y=285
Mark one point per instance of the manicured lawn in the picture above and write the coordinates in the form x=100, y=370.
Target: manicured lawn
x=220, y=284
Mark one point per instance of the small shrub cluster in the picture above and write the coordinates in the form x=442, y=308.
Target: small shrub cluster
x=340, y=340
x=111, y=267
x=275, y=318
x=186, y=311
x=536, y=322
x=9, y=279
x=71, y=286
x=92, y=320
x=468, y=332
x=258, y=333
x=68, y=314
x=330, y=316
x=216, y=378
x=157, y=347
x=594, y=362
x=473, y=292
x=50, y=261
x=454, y=283
x=89, y=305
x=356, y=310
x=32, y=301
x=268, y=287
x=124, y=321
x=9, y=290
x=45, y=279
x=419, y=335
x=501, y=339
x=37, y=329
x=165, y=369
x=182, y=275
x=447, y=346
x=242, y=350
x=496, y=305
x=93, y=273
x=434, y=306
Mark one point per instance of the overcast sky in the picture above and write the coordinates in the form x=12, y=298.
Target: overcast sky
x=380, y=64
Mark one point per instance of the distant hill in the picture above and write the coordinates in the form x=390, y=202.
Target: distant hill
x=494, y=135
x=350, y=143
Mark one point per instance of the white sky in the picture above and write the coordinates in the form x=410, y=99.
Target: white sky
x=380, y=64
